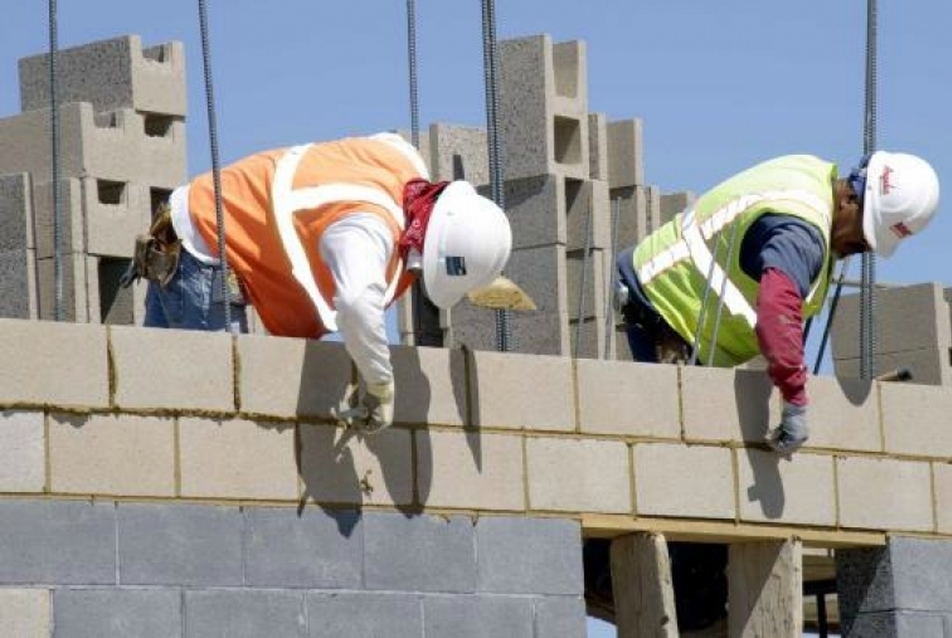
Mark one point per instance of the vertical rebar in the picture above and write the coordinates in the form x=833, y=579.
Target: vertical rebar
x=55, y=169
x=491, y=72
x=216, y=170
x=868, y=292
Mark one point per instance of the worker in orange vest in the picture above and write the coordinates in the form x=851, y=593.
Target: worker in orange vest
x=321, y=238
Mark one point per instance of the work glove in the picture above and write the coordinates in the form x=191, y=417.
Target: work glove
x=792, y=431
x=375, y=410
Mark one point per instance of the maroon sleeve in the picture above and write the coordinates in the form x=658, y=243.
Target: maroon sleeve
x=780, y=334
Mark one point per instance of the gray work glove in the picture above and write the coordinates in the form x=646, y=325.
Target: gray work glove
x=375, y=411
x=792, y=431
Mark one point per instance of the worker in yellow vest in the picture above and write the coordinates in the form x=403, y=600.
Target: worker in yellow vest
x=739, y=271
x=321, y=238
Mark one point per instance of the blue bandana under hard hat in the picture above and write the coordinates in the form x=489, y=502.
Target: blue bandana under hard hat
x=857, y=178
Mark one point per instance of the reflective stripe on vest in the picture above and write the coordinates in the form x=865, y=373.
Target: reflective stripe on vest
x=693, y=244
x=287, y=201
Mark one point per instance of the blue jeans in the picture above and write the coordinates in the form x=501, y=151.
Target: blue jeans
x=192, y=300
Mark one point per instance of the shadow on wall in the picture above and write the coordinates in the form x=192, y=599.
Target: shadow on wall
x=752, y=392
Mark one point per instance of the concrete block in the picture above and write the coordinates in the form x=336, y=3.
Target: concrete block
x=157, y=369
x=431, y=385
x=284, y=548
x=628, y=399
x=470, y=470
x=588, y=214
x=22, y=153
x=530, y=332
x=22, y=452
x=588, y=338
x=394, y=615
x=113, y=73
x=798, y=490
x=76, y=279
x=884, y=494
x=671, y=204
x=916, y=419
x=543, y=108
x=942, y=478
x=19, y=298
x=16, y=212
x=920, y=568
x=459, y=617
x=598, y=146
x=928, y=366
x=727, y=405
x=94, y=613
x=112, y=225
x=288, y=378
x=119, y=454
x=34, y=370
x=459, y=152
x=238, y=459
x=600, y=471
x=626, y=163
x=586, y=285
x=178, y=544
x=419, y=553
x=339, y=466
x=34, y=533
x=558, y=616
x=116, y=306
x=541, y=272
x=529, y=555
x=706, y=491
x=844, y=414
x=639, y=213
x=244, y=613
x=25, y=613
x=537, y=210
x=498, y=385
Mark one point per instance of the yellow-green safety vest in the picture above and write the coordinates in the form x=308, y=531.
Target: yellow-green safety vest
x=703, y=243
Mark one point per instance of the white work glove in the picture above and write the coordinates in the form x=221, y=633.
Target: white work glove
x=792, y=431
x=375, y=411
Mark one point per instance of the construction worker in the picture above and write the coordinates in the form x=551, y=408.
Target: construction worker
x=321, y=238
x=739, y=271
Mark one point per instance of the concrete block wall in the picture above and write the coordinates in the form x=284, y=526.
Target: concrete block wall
x=122, y=140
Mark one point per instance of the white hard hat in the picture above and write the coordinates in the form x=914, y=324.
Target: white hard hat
x=900, y=198
x=467, y=244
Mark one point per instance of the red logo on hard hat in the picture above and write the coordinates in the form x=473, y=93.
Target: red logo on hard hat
x=900, y=230
x=884, y=184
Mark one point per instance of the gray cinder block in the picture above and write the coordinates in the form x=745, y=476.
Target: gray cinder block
x=626, y=164
x=94, y=613
x=245, y=613
x=15, y=212
x=458, y=152
x=363, y=614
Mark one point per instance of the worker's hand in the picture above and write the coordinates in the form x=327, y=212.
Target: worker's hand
x=792, y=431
x=379, y=403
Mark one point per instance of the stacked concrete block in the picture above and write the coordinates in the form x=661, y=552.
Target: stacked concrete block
x=912, y=330
x=122, y=150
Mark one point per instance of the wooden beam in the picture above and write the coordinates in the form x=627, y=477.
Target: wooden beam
x=642, y=587
x=765, y=584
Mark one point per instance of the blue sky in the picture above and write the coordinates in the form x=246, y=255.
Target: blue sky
x=719, y=85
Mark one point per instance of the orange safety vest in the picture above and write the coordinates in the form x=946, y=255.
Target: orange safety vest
x=276, y=205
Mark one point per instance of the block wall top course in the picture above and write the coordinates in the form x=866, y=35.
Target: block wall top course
x=110, y=74
x=189, y=416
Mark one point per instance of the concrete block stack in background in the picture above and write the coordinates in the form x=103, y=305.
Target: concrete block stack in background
x=121, y=120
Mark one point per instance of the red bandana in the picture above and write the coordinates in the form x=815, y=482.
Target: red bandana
x=419, y=197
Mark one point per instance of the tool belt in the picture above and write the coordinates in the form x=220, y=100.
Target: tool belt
x=156, y=254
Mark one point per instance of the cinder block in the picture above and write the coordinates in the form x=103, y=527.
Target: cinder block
x=588, y=338
x=557, y=616
x=124, y=146
x=419, y=553
x=478, y=616
x=22, y=153
x=157, y=369
x=113, y=73
x=178, y=544
x=16, y=212
x=237, y=459
x=517, y=391
x=75, y=301
x=34, y=533
x=628, y=399
x=529, y=332
x=529, y=556
x=543, y=108
x=673, y=203
x=18, y=293
x=339, y=466
x=639, y=213
x=884, y=494
x=59, y=364
x=430, y=385
x=626, y=164
x=598, y=146
x=119, y=454
x=288, y=378
x=470, y=470
x=586, y=284
x=459, y=152
x=928, y=366
x=86, y=613
x=22, y=452
x=727, y=405
x=537, y=210
x=395, y=615
x=245, y=612
x=600, y=474
x=25, y=613
x=310, y=549
x=541, y=272
x=112, y=225
x=920, y=568
x=942, y=477
x=588, y=214
x=916, y=419
x=800, y=490
x=843, y=414
x=664, y=486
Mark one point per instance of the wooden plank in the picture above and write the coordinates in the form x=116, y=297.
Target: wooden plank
x=642, y=587
x=765, y=584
